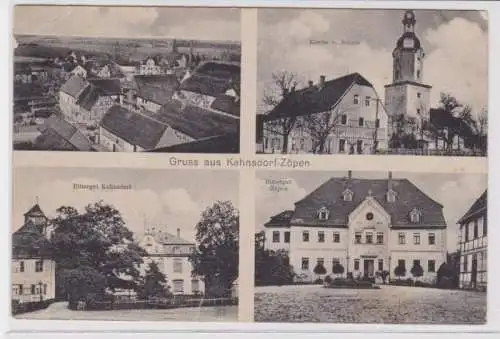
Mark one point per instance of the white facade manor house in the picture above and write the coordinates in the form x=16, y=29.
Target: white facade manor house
x=366, y=225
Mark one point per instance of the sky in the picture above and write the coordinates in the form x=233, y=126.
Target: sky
x=171, y=198
x=455, y=44
x=456, y=192
x=113, y=21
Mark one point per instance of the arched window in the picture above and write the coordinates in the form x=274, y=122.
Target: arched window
x=347, y=195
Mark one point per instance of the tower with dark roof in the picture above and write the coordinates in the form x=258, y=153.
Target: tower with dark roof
x=408, y=95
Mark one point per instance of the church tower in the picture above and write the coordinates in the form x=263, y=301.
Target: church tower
x=408, y=95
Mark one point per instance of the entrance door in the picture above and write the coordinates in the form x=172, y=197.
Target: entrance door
x=368, y=267
x=473, y=277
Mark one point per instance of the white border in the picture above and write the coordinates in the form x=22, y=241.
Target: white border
x=43, y=328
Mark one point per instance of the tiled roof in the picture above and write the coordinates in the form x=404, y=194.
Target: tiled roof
x=197, y=122
x=74, y=86
x=329, y=195
x=59, y=135
x=29, y=241
x=89, y=97
x=156, y=88
x=479, y=206
x=166, y=238
x=108, y=86
x=35, y=211
x=281, y=219
x=206, y=85
x=225, y=70
x=135, y=128
x=312, y=100
x=226, y=104
x=219, y=144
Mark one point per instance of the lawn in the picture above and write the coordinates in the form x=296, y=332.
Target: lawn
x=390, y=304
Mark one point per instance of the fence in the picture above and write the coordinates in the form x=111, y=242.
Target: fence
x=431, y=152
x=167, y=303
x=24, y=307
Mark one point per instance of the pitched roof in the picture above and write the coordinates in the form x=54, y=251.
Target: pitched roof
x=35, y=211
x=59, y=135
x=89, y=97
x=226, y=104
x=206, y=85
x=280, y=219
x=196, y=122
x=479, y=206
x=312, y=100
x=226, y=70
x=74, y=86
x=134, y=127
x=166, y=238
x=29, y=241
x=108, y=86
x=219, y=144
x=329, y=195
x=156, y=88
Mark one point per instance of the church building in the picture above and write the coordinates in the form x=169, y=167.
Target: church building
x=366, y=225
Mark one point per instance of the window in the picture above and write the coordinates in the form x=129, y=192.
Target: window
x=357, y=238
x=377, y=123
x=418, y=110
x=361, y=122
x=359, y=146
x=323, y=213
x=33, y=289
x=276, y=236
x=466, y=233
x=418, y=94
x=485, y=226
x=367, y=101
x=369, y=238
x=416, y=262
x=321, y=261
x=416, y=238
x=465, y=263
x=415, y=216
x=195, y=286
x=431, y=266
x=356, y=99
x=347, y=195
x=356, y=264
x=418, y=74
x=341, y=145
x=343, y=119
x=401, y=263
x=287, y=237
x=369, y=216
x=177, y=265
x=21, y=266
x=21, y=289
x=178, y=286
x=321, y=236
x=380, y=238
x=336, y=237
x=44, y=289
x=432, y=239
x=401, y=238
x=39, y=266
x=305, y=236
x=302, y=144
x=381, y=264
x=305, y=264
x=476, y=229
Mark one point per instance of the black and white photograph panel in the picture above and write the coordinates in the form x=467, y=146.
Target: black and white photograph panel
x=371, y=247
x=124, y=245
x=126, y=79
x=372, y=81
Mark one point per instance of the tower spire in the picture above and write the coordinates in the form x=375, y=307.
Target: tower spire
x=409, y=21
x=36, y=200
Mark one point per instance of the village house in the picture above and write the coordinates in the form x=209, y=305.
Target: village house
x=150, y=67
x=33, y=269
x=366, y=225
x=56, y=134
x=80, y=71
x=171, y=254
x=153, y=91
x=355, y=121
x=473, y=245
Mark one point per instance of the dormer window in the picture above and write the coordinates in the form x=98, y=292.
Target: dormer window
x=356, y=99
x=347, y=195
x=391, y=196
x=415, y=216
x=323, y=213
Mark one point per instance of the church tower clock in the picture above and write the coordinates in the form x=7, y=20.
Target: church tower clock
x=407, y=95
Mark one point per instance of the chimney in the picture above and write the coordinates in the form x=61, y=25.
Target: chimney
x=349, y=175
x=310, y=84
x=321, y=81
x=389, y=181
x=178, y=233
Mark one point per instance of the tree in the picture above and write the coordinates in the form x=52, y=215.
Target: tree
x=337, y=268
x=320, y=126
x=283, y=83
x=417, y=271
x=271, y=267
x=400, y=271
x=216, y=256
x=95, y=241
x=154, y=283
x=319, y=269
